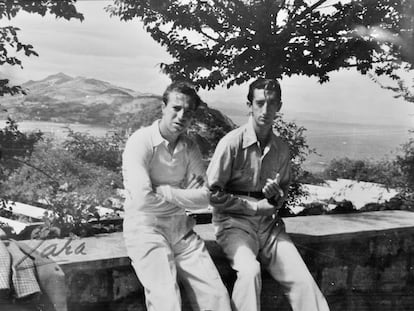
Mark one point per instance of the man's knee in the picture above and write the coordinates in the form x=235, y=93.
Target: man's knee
x=50, y=271
x=303, y=283
x=250, y=269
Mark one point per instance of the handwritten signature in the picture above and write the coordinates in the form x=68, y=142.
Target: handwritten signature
x=52, y=250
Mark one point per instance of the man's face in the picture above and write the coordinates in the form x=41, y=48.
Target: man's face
x=264, y=106
x=178, y=113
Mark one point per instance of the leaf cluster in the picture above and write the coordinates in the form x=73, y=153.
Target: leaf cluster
x=68, y=186
x=15, y=144
x=101, y=151
x=405, y=161
x=294, y=136
x=227, y=42
x=208, y=127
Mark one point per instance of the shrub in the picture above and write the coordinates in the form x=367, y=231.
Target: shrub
x=299, y=150
x=405, y=162
x=13, y=144
x=68, y=186
x=102, y=151
x=386, y=172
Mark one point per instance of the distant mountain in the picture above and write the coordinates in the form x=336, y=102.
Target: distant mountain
x=64, y=87
x=65, y=99
x=62, y=98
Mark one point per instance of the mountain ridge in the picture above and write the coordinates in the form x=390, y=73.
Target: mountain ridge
x=65, y=99
x=62, y=98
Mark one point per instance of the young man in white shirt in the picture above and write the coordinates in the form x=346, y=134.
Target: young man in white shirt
x=163, y=176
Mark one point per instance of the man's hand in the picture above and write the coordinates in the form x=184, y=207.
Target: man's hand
x=272, y=189
x=264, y=208
x=195, y=182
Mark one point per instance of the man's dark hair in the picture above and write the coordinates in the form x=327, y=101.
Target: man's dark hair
x=185, y=88
x=264, y=84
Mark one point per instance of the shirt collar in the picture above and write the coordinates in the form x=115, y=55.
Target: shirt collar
x=157, y=138
x=249, y=135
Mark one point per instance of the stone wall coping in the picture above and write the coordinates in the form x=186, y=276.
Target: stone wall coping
x=108, y=250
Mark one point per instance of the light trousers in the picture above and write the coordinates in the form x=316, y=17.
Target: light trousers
x=248, y=250
x=162, y=252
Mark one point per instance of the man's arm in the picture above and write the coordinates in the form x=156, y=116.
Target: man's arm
x=218, y=175
x=135, y=170
x=195, y=194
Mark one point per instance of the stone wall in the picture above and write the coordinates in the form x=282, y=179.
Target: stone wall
x=368, y=264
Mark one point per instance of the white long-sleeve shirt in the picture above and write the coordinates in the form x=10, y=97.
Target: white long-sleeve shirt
x=155, y=179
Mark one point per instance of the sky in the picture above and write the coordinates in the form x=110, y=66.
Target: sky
x=123, y=54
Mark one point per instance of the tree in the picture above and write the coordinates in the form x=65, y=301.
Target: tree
x=10, y=44
x=17, y=145
x=227, y=42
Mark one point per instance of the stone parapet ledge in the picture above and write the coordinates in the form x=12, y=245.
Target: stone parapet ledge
x=362, y=261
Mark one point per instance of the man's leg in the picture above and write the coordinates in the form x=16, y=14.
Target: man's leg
x=51, y=279
x=241, y=249
x=153, y=261
x=199, y=275
x=285, y=264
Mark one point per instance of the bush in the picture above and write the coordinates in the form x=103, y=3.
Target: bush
x=13, y=144
x=386, y=172
x=68, y=186
x=102, y=151
x=405, y=162
x=397, y=173
x=299, y=150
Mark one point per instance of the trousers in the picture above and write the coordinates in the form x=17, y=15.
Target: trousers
x=164, y=250
x=248, y=250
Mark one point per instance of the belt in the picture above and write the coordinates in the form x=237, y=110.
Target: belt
x=254, y=194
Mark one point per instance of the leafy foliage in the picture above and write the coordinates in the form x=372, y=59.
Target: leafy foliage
x=396, y=173
x=10, y=44
x=132, y=121
x=59, y=171
x=66, y=185
x=208, y=127
x=13, y=144
x=385, y=172
x=240, y=40
x=406, y=165
x=403, y=88
x=299, y=150
x=101, y=151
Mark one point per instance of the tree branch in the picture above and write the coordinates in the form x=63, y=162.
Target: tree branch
x=308, y=10
x=36, y=168
x=208, y=36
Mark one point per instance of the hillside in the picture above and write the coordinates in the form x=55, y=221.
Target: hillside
x=64, y=99
x=61, y=98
